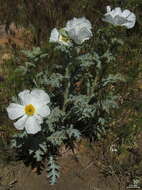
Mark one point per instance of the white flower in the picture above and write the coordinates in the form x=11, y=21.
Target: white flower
x=31, y=110
x=79, y=29
x=120, y=18
x=57, y=37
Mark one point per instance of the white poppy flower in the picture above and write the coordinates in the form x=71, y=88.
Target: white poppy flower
x=57, y=37
x=120, y=18
x=79, y=29
x=31, y=110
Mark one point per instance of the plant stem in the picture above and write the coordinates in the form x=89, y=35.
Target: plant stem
x=66, y=92
x=94, y=85
x=88, y=87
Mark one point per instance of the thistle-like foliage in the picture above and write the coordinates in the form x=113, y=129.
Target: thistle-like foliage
x=53, y=170
x=33, y=147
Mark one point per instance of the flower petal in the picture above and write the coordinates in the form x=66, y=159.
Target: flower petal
x=120, y=21
x=79, y=29
x=78, y=22
x=24, y=97
x=117, y=11
x=32, y=125
x=83, y=35
x=131, y=19
x=38, y=118
x=126, y=13
x=40, y=95
x=108, y=18
x=54, y=35
x=108, y=8
x=43, y=111
x=20, y=123
x=15, y=111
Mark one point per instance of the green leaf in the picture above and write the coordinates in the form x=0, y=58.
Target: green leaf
x=53, y=170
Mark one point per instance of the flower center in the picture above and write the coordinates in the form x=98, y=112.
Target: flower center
x=29, y=109
x=64, y=39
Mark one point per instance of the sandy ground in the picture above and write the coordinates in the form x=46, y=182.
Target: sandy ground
x=83, y=173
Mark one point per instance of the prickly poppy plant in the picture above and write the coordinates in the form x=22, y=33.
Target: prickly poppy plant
x=71, y=98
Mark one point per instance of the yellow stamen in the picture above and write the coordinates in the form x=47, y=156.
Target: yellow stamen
x=29, y=109
x=64, y=39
